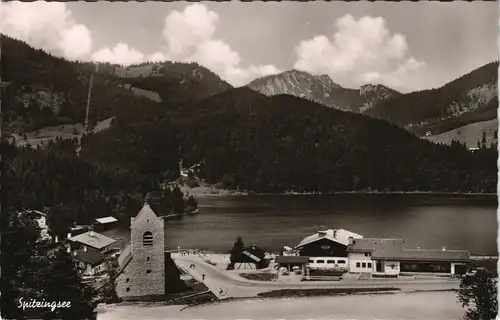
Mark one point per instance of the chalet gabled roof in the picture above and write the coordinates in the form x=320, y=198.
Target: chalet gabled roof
x=93, y=239
x=335, y=235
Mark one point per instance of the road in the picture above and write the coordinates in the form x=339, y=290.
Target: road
x=224, y=285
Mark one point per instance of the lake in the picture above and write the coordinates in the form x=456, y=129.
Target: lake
x=273, y=221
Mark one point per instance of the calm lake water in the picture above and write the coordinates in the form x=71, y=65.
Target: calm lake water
x=273, y=221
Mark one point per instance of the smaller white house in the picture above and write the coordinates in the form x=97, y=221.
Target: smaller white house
x=105, y=223
x=388, y=257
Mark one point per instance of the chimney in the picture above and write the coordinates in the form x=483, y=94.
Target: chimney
x=56, y=239
x=443, y=248
x=85, y=248
x=68, y=249
x=418, y=248
x=69, y=235
x=74, y=253
x=91, y=233
x=351, y=241
x=335, y=233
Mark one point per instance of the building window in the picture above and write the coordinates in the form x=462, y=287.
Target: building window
x=148, y=271
x=367, y=254
x=363, y=265
x=127, y=280
x=147, y=238
x=369, y=265
x=341, y=261
x=358, y=265
x=330, y=261
x=128, y=289
x=148, y=258
x=320, y=261
x=311, y=261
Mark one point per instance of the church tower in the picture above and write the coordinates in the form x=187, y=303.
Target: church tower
x=144, y=272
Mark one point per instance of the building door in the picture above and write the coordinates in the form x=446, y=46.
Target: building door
x=378, y=266
x=460, y=269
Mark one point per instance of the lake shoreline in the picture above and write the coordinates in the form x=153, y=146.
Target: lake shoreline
x=207, y=190
x=226, y=193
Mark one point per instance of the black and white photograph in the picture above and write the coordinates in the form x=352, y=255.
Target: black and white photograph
x=249, y=160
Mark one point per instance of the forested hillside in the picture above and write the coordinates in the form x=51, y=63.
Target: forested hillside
x=274, y=144
x=180, y=82
x=43, y=90
x=468, y=99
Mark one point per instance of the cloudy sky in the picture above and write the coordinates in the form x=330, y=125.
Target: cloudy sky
x=408, y=46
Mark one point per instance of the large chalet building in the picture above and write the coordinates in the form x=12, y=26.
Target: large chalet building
x=340, y=249
x=327, y=249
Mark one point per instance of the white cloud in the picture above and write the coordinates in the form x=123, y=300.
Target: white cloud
x=76, y=41
x=157, y=57
x=361, y=50
x=46, y=25
x=189, y=36
x=185, y=31
x=395, y=78
x=121, y=54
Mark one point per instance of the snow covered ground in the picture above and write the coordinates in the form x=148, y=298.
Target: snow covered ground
x=399, y=306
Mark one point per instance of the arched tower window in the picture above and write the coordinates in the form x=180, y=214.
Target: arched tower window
x=147, y=238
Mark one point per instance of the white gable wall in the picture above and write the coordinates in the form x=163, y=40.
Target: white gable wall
x=356, y=258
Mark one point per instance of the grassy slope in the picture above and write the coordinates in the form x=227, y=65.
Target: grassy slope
x=469, y=134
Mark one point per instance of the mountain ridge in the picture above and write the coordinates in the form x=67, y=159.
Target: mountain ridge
x=322, y=89
x=470, y=98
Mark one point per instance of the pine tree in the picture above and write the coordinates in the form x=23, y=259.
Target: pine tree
x=483, y=140
x=191, y=202
x=237, y=250
x=177, y=200
x=19, y=264
x=63, y=283
x=30, y=274
x=478, y=293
